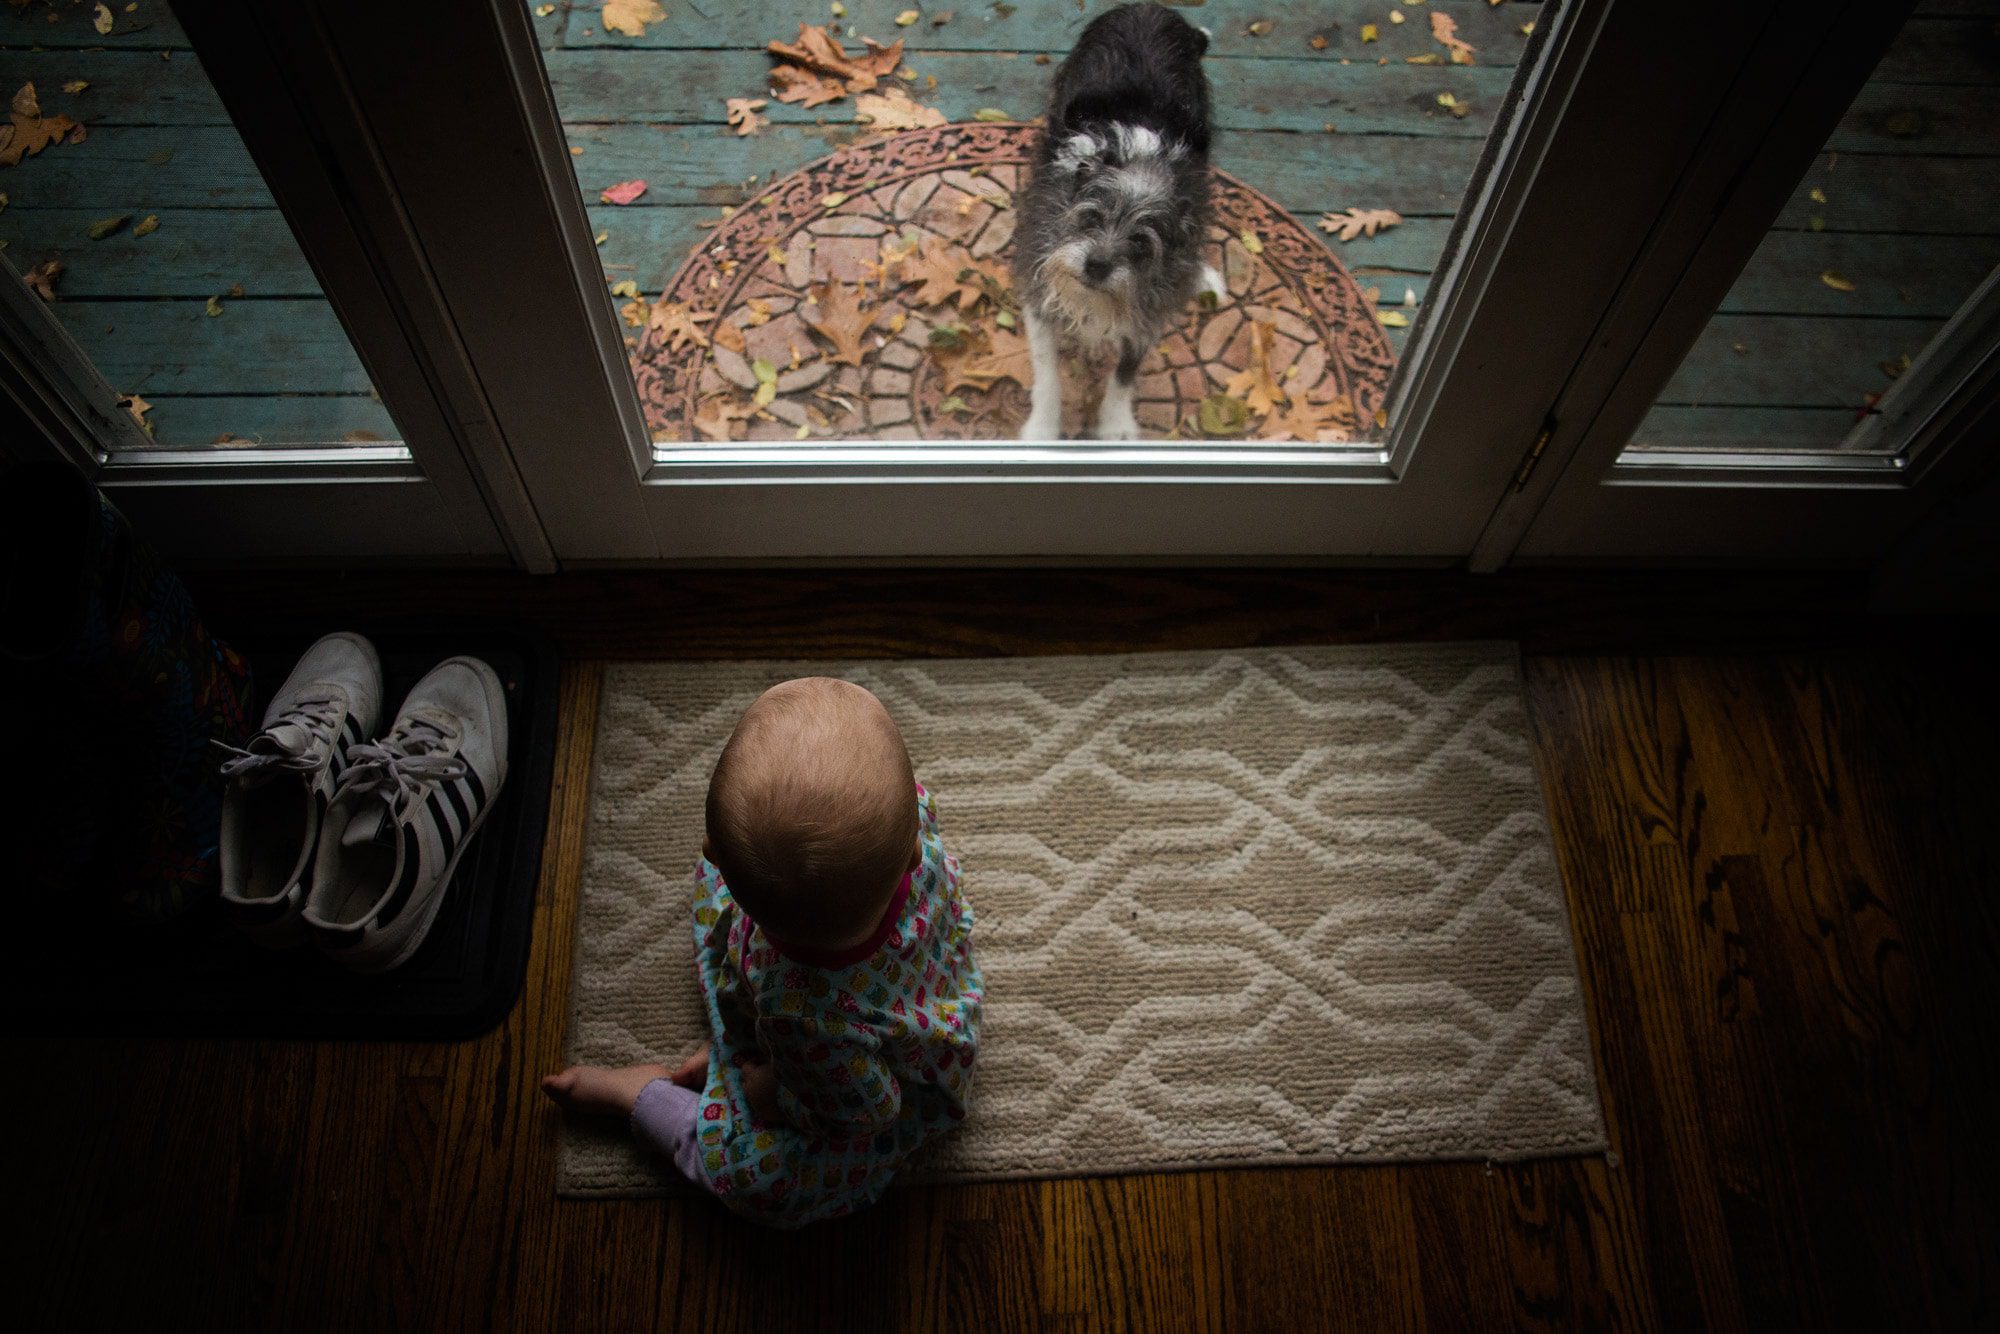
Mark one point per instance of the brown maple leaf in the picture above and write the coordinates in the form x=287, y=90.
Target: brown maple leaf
x=678, y=323
x=42, y=278
x=29, y=132
x=803, y=88
x=843, y=321
x=1307, y=420
x=947, y=274
x=1444, y=28
x=1359, y=222
x=716, y=418
x=816, y=52
x=1004, y=356
x=730, y=336
x=1255, y=384
x=743, y=114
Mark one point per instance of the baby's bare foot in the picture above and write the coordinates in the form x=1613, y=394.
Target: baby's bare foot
x=594, y=1089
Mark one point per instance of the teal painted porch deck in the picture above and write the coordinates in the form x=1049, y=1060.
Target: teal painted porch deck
x=1909, y=181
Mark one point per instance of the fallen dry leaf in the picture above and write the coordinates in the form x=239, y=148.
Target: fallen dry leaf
x=138, y=407
x=1359, y=222
x=103, y=20
x=730, y=336
x=622, y=193
x=29, y=132
x=631, y=16
x=1004, y=357
x=895, y=110
x=843, y=321
x=991, y=114
x=1260, y=28
x=76, y=85
x=1444, y=29
x=907, y=17
x=760, y=313
x=1839, y=282
x=104, y=227
x=716, y=418
x=626, y=288
x=1310, y=421
x=1220, y=414
x=42, y=278
x=1394, y=319
x=1318, y=43
x=1369, y=32
x=743, y=114
x=147, y=225
x=821, y=70
x=213, y=308
x=678, y=323
x=1255, y=384
x=946, y=274
x=1251, y=242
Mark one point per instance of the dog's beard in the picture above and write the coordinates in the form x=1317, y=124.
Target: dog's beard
x=1093, y=316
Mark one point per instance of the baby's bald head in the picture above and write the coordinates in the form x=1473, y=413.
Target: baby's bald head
x=812, y=814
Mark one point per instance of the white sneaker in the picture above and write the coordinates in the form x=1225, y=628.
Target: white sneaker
x=406, y=808
x=280, y=784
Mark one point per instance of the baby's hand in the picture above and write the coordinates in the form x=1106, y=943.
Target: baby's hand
x=693, y=1072
x=760, y=1090
x=592, y=1088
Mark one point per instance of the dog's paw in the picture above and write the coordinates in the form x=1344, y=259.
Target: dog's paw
x=1117, y=423
x=1042, y=426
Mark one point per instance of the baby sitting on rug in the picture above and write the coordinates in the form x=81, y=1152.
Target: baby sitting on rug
x=835, y=957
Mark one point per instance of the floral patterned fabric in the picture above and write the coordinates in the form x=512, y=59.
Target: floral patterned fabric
x=873, y=1056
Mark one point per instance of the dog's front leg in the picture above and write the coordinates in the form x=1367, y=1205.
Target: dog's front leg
x=1045, y=395
x=1114, y=415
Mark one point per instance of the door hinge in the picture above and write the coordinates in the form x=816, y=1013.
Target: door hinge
x=1534, y=457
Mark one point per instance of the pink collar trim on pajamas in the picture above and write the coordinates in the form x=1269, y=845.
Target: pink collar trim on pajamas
x=853, y=954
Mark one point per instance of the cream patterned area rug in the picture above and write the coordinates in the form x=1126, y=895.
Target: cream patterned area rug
x=1252, y=907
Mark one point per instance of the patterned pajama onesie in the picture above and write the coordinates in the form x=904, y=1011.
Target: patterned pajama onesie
x=872, y=1049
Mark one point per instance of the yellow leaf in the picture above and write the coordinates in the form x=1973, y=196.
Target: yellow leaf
x=834, y=200
x=1395, y=319
x=147, y=225
x=1447, y=100
x=766, y=391
x=990, y=113
x=631, y=16
x=1818, y=196
x=214, y=306
x=1839, y=282
x=628, y=288
x=76, y=86
x=600, y=238
x=1369, y=32
x=1394, y=17
x=103, y=23
x=839, y=10
x=1260, y=28
x=1528, y=29
x=907, y=17
x=1252, y=243
x=543, y=11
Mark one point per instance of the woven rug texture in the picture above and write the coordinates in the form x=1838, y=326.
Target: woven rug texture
x=1234, y=908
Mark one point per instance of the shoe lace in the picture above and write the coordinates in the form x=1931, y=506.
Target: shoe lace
x=405, y=765
x=315, y=718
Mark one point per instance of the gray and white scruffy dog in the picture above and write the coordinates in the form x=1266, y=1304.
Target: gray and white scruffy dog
x=1107, y=245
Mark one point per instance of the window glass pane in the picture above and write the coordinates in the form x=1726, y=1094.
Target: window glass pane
x=1887, y=234
x=130, y=198
x=1347, y=136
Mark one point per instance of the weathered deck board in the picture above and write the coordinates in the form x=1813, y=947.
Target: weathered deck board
x=1792, y=361
x=695, y=165
x=253, y=347
x=1892, y=275
x=276, y=419
x=1052, y=26
x=1942, y=196
x=195, y=253
x=684, y=87
x=1769, y=430
x=143, y=169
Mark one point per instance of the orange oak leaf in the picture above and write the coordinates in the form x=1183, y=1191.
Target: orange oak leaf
x=28, y=132
x=678, y=323
x=1255, y=384
x=842, y=321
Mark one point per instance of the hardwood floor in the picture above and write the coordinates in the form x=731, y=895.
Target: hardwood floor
x=1771, y=814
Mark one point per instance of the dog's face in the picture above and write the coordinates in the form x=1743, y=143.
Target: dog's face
x=1116, y=198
